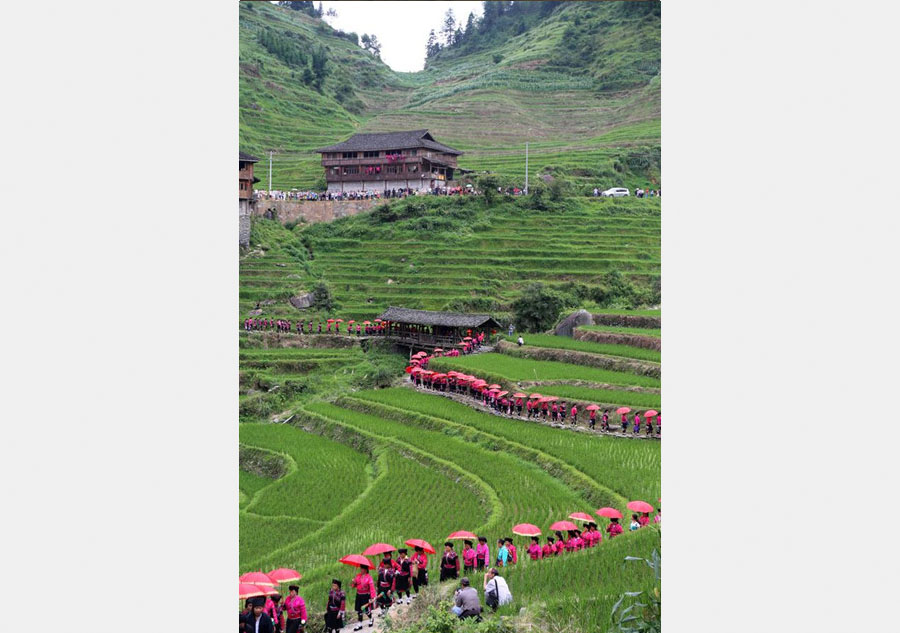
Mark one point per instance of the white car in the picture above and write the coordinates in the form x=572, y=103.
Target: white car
x=615, y=192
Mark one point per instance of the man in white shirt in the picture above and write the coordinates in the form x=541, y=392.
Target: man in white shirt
x=496, y=591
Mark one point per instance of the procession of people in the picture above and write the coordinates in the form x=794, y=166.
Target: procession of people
x=533, y=406
x=399, y=581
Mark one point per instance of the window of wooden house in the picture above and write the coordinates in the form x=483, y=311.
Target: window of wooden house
x=392, y=169
x=412, y=152
x=370, y=154
x=351, y=170
x=412, y=168
x=349, y=154
x=335, y=171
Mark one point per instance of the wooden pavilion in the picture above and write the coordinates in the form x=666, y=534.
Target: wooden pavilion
x=427, y=328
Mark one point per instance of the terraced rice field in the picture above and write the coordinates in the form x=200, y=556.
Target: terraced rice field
x=615, y=329
x=607, y=349
x=489, y=258
x=476, y=472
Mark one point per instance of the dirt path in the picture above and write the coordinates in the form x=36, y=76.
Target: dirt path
x=581, y=427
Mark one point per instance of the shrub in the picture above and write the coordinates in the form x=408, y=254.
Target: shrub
x=497, y=58
x=536, y=308
x=323, y=298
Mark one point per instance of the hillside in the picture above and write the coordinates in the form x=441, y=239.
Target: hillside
x=580, y=84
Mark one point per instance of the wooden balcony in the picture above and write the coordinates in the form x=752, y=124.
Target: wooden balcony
x=363, y=177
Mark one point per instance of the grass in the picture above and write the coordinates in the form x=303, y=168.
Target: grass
x=622, y=330
x=517, y=370
x=564, y=342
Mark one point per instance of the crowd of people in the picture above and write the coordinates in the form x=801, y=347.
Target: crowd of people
x=638, y=193
x=367, y=194
x=398, y=581
x=533, y=407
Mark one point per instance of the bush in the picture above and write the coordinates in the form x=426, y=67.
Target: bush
x=537, y=308
x=323, y=299
x=497, y=58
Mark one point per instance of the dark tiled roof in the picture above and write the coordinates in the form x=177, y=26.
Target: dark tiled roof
x=244, y=156
x=428, y=317
x=389, y=140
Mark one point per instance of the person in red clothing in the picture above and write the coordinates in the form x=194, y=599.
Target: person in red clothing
x=644, y=519
x=482, y=553
x=334, y=609
x=387, y=584
x=604, y=422
x=296, y=611
x=553, y=412
x=403, y=577
x=513, y=557
x=574, y=413
x=365, y=593
x=545, y=408
x=530, y=407
x=388, y=559
x=571, y=542
x=449, y=563
x=595, y=536
x=549, y=549
x=276, y=611
x=560, y=545
x=534, y=550
x=592, y=419
x=420, y=578
x=613, y=529
x=468, y=555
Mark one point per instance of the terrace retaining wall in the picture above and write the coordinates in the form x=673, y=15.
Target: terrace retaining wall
x=311, y=211
x=580, y=358
x=633, y=340
x=627, y=320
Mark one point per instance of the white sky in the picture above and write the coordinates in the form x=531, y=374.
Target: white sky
x=402, y=27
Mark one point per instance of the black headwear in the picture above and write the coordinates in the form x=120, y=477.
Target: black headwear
x=258, y=601
x=335, y=581
x=402, y=550
x=535, y=539
x=448, y=544
x=482, y=539
x=294, y=588
x=419, y=549
x=508, y=540
x=467, y=542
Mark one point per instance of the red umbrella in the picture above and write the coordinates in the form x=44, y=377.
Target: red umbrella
x=551, y=398
x=367, y=323
x=494, y=386
x=330, y=321
x=623, y=409
x=502, y=393
x=417, y=542
x=356, y=560
x=479, y=383
x=535, y=395
x=351, y=321
x=248, y=590
x=519, y=394
x=377, y=320
x=439, y=349
x=271, y=591
x=651, y=413
x=563, y=525
x=581, y=516
x=526, y=529
x=283, y=574
x=378, y=548
x=258, y=578
x=339, y=320
x=408, y=369
x=609, y=513
x=461, y=534
x=467, y=338
x=640, y=506
x=592, y=407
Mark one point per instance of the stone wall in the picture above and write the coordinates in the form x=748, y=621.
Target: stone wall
x=244, y=222
x=313, y=210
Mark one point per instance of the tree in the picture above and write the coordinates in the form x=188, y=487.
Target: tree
x=488, y=186
x=323, y=299
x=449, y=27
x=320, y=67
x=470, y=24
x=457, y=37
x=432, y=47
x=319, y=12
x=371, y=44
x=537, y=308
x=331, y=13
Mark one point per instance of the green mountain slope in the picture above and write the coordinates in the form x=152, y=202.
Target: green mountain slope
x=578, y=81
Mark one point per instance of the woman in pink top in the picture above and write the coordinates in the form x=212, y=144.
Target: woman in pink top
x=658, y=517
x=614, y=529
x=468, y=555
x=482, y=553
x=574, y=413
x=644, y=519
x=365, y=590
x=534, y=550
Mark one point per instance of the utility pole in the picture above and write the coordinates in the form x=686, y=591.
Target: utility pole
x=526, y=169
x=270, y=172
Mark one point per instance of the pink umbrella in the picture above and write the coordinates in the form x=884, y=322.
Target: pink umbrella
x=651, y=413
x=581, y=516
x=417, y=542
x=526, y=529
x=258, y=578
x=356, y=560
x=461, y=534
x=563, y=525
x=283, y=574
x=609, y=513
x=623, y=410
x=378, y=548
x=248, y=590
x=640, y=506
